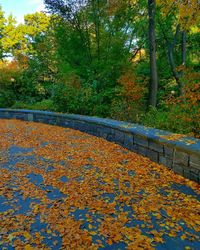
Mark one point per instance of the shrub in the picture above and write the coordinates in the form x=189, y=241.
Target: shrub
x=66, y=98
x=83, y=99
x=43, y=105
x=7, y=98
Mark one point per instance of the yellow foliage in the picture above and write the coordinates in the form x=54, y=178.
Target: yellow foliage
x=188, y=12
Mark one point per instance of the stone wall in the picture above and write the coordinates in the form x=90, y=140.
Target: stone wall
x=179, y=153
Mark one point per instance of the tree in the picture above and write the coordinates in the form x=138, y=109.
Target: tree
x=41, y=46
x=152, y=51
x=94, y=40
x=2, y=26
x=179, y=17
x=13, y=37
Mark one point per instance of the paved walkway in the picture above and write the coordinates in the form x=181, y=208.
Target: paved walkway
x=63, y=189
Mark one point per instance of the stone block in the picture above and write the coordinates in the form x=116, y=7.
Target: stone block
x=135, y=148
x=178, y=169
x=93, y=128
x=168, y=151
x=165, y=161
x=194, y=161
x=111, y=138
x=93, y=133
x=58, y=119
x=67, y=123
x=156, y=147
x=186, y=173
x=141, y=141
x=61, y=122
x=128, y=140
x=119, y=137
x=79, y=125
x=5, y=115
x=103, y=132
x=194, y=177
x=142, y=150
x=40, y=118
x=51, y=120
x=104, y=135
x=19, y=116
x=100, y=131
x=195, y=171
x=181, y=158
x=30, y=117
x=153, y=155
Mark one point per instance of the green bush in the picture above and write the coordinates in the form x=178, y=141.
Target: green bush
x=7, y=98
x=167, y=120
x=43, y=105
x=85, y=101
x=66, y=99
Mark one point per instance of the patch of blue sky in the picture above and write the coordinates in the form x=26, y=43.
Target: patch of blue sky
x=19, y=8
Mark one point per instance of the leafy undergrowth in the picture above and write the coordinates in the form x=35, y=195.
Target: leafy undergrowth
x=63, y=189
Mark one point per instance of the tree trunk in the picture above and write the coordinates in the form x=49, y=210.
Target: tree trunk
x=183, y=59
x=171, y=46
x=153, y=88
x=178, y=75
x=183, y=48
x=96, y=13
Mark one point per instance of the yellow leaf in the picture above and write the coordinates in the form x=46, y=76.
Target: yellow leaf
x=92, y=233
x=27, y=235
x=109, y=241
x=158, y=239
x=183, y=237
x=28, y=247
x=117, y=238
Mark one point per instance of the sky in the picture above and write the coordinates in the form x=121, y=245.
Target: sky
x=21, y=7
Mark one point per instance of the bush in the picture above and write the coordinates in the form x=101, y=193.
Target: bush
x=43, y=105
x=7, y=98
x=174, y=120
x=66, y=98
x=83, y=100
x=121, y=110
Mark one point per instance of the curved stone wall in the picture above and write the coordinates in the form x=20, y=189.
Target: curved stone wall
x=177, y=152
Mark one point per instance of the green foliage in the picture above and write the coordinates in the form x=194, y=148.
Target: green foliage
x=43, y=105
x=92, y=42
x=2, y=25
x=162, y=119
x=66, y=99
x=7, y=98
x=171, y=120
x=82, y=100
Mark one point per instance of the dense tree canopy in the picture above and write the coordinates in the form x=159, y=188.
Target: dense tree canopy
x=115, y=58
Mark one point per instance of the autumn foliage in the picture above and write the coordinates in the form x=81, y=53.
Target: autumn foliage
x=189, y=104
x=131, y=90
